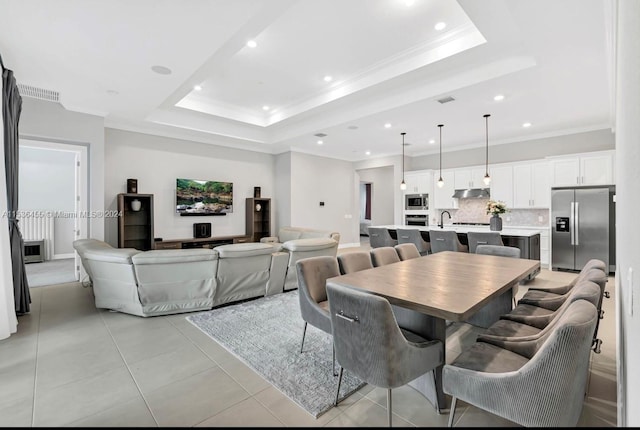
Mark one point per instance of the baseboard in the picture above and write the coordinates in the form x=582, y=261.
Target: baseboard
x=63, y=256
x=349, y=245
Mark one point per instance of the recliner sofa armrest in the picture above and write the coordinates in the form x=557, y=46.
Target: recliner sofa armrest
x=277, y=273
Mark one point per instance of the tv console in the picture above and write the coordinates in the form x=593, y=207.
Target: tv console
x=205, y=242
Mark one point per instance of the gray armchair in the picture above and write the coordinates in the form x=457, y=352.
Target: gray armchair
x=538, y=383
x=500, y=251
x=413, y=235
x=475, y=238
x=312, y=294
x=384, y=255
x=350, y=262
x=379, y=237
x=445, y=240
x=407, y=251
x=370, y=344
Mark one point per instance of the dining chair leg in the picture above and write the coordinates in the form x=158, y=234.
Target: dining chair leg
x=333, y=361
x=338, y=390
x=304, y=332
x=389, y=405
x=452, y=411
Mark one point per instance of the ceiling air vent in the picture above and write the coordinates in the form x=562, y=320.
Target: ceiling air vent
x=38, y=93
x=320, y=135
x=446, y=99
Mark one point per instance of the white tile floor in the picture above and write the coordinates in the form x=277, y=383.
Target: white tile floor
x=73, y=365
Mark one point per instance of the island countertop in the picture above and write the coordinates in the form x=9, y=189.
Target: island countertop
x=466, y=228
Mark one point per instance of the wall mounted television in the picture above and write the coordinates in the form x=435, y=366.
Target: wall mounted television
x=195, y=197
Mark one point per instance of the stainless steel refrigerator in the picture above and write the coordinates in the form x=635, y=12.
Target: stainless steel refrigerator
x=583, y=226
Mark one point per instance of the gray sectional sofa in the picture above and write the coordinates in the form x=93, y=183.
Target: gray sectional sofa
x=161, y=282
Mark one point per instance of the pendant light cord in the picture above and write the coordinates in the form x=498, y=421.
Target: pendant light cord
x=440, y=126
x=486, y=166
x=403, y=155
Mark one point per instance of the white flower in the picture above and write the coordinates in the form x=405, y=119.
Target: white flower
x=496, y=207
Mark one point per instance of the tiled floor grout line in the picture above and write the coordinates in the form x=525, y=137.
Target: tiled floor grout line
x=35, y=366
x=144, y=399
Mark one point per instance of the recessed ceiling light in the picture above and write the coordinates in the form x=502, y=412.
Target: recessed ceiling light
x=387, y=125
x=197, y=87
x=368, y=153
x=526, y=124
x=161, y=70
x=499, y=98
x=328, y=78
x=432, y=141
x=265, y=107
x=252, y=44
x=440, y=26
x=320, y=142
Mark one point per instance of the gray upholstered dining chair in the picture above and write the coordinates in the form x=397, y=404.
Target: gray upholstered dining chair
x=413, y=235
x=475, y=238
x=445, y=240
x=370, y=344
x=500, y=251
x=350, y=262
x=313, y=273
x=536, y=383
x=407, y=251
x=379, y=237
x=384, y=255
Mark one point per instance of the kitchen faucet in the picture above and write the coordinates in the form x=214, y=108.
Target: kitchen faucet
x=441, y=225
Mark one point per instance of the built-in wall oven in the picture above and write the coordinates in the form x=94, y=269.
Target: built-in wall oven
x=416, y=202
x=421, y=220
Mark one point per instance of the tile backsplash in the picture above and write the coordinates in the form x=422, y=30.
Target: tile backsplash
x=474, y=210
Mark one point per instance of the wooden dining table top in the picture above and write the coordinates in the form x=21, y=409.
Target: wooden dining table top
x=448, y=285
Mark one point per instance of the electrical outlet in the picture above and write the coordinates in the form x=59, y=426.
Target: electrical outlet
x=508, y=218
x=540, y=218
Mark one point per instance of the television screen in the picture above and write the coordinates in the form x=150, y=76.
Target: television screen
x=194, y=197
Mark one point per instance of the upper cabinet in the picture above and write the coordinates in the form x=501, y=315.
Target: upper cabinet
x=443, y=197
x=469, y=177
x=418, y=182
x=502, y=184
x=594, y=168
x=531, y=185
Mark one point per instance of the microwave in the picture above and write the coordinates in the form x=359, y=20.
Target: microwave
x=416, y=202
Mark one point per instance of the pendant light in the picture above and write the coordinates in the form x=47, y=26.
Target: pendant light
x=440, y=181
x=487, y=178
x=403, y=185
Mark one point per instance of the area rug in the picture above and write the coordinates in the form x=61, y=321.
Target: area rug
x=265, y=334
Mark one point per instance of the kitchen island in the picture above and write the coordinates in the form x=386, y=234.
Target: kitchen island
x=528, y=241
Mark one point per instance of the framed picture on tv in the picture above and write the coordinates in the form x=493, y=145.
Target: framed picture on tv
x=197, y=197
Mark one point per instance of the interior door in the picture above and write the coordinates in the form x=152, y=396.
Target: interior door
x=562, y=249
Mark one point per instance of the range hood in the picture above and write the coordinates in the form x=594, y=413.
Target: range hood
x=471, y=193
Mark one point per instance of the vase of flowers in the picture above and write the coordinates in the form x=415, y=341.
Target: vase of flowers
x=495, y=208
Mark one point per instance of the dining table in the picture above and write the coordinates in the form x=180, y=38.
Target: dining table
x=429, y=292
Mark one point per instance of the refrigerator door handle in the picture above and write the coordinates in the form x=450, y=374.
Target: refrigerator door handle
x=572, y=223
x=576, y=224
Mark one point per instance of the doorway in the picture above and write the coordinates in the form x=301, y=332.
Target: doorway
x=52, y=208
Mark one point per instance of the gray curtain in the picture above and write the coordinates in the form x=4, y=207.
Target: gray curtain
x=11, y=109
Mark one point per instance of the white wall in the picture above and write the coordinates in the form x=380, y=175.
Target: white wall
x=382, y=193
x=47, y=182
x=282, y=208
x=598, y=140
x=315, y=179
x=51, y=122
x=627, y=210
x=156, y=162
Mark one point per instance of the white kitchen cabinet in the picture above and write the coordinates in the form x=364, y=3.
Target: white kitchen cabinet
x=502, y=184
x=469, y=177
x=544, y=247
x=594, y=168
x=443, y=197
x=418, y=182
x=531, y=185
